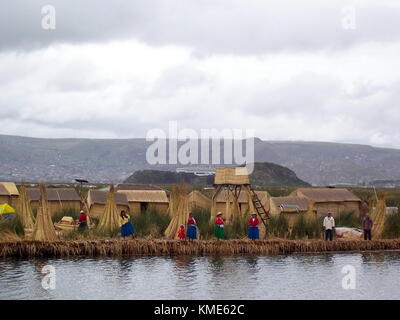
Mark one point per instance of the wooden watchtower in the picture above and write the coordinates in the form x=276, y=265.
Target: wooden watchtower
x=232, y=181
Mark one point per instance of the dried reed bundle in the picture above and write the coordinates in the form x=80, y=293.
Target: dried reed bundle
x=8, y=236
x=173, y=201
x=110, y=220
x=44, y=228
x=93, y=248
x=378, y=217
x=181, y=213
x=24, y=212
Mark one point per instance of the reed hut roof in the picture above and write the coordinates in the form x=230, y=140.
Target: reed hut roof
x=154, y=196
x=327, y=194
x=8, y=189
x=232, y=175
x=198, y=199
x=196, y=194
x=54, y=194
x=243, y=197
x=100, y=197
x=291, y=203
x=128, y=186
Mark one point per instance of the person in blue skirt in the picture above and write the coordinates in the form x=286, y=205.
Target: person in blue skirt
x=127, y=228
x=191, y=228
x=254, y=233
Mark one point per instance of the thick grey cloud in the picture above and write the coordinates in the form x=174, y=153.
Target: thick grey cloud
x=211, y=26
x=116, y=69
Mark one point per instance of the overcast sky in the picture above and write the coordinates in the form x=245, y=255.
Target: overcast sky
x=287, y=69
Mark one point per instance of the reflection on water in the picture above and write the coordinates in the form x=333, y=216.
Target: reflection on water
x=300, y=276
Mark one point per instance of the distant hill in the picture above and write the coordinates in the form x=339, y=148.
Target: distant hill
x=264, y=174
x=271, y=175
x=104, y=161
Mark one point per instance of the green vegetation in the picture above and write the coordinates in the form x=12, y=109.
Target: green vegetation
x=237, y=229
x=68, y=212
x=278, y=226
x=13, y=225
x=348, y=219
x=391, y=228
x=204, y=227
x=306, y=228
x=151, y=223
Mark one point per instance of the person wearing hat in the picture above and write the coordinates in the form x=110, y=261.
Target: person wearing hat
x=82, y=221
x=219, y=226
x=254, y=233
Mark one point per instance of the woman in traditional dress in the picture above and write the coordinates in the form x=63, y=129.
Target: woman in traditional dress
x=219, y=226
x=82, y=221
x=254, y=233
x=127, y=228
x=191, y=229
x=181, y=232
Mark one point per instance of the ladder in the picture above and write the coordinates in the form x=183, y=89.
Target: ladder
x=262, y=213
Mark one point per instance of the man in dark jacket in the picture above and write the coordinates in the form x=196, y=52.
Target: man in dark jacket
x=367, y=227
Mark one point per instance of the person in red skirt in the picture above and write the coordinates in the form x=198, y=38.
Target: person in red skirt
x=254, y=233
x=181, y=232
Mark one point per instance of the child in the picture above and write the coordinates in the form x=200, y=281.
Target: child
x=181, y=232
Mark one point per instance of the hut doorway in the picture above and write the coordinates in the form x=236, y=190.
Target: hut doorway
x=143, y=207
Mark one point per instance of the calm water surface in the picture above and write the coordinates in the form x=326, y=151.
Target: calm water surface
x=300, y=276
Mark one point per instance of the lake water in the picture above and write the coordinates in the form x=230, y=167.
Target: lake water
x=296, y=276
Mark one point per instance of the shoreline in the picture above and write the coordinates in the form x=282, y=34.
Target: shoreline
x=137, y=247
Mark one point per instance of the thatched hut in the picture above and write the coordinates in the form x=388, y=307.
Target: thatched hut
x=289, y=207
x=334, y=200
x=199, y=200
x=58, y=199
x=96, y=202
x=224, y=201
x=143, y=197
x=9, y=193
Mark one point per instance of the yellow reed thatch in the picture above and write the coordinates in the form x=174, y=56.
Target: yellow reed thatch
x=179, y=212
x=24, y=211
x=232, y=175
x=110, y=219
x=44, y=228
x=378, y=217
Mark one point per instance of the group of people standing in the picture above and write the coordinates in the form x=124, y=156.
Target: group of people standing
x=190, y=233
x=219, y=231
x=329, y=226
x=253, y=231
